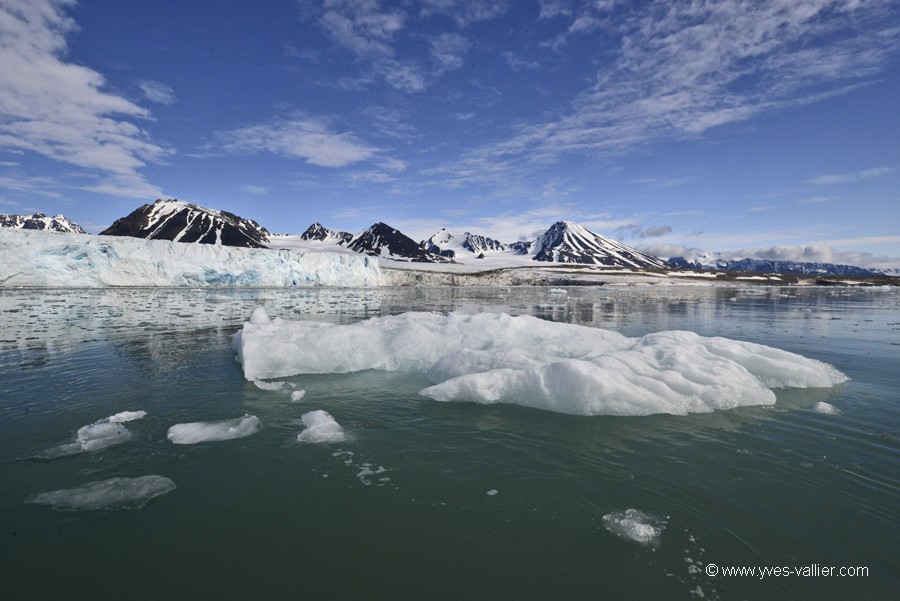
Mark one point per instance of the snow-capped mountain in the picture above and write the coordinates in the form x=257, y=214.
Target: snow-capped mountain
x=382, y=240
x=39, y=221
x=772, y=266
x=569, y=242
x=320, y=233
x=452, y=245
x=184, y=222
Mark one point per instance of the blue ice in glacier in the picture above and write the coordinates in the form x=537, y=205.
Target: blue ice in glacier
x=52, y=259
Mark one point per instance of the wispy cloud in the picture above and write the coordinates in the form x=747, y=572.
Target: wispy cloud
x=158, y=92
x=844, y=178
x=254, y=189
x=372, y=31
x=60, y=110
x=309, y=138
x=683, y=68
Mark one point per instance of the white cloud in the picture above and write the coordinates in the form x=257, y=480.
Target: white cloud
x=822, y=252
x=465, y=12
x=448, y=51
x=158, y=92
x=303, y=137
x=686, y=67
x=254, y=190
x=60, y=110
x=843, y=178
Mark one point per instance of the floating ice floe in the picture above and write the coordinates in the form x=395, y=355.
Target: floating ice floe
x=194, y=432
x=635, y=526
x=115, y=493
x=496, y=358
x=321, y=427
x=826, y=408
x=102, y=434
x=297, y=396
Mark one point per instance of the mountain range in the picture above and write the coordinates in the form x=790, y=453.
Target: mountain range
x=39, y=221
x=773, y=266
x=562, y=242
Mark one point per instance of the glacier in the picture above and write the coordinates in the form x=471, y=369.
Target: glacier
x=50, y=259
x=497, y=358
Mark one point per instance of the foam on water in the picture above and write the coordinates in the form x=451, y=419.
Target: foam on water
x=115, y=493
x=321, y=427
x=634, y=525
x=497, y=358
x=194, y=432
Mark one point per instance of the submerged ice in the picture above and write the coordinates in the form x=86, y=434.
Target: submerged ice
x=115, y=493
x=634, y=525
x=497, y=358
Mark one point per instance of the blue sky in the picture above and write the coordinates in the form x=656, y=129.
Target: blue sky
x=765, y=128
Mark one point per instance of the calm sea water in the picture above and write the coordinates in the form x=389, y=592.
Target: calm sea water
x=443, y=501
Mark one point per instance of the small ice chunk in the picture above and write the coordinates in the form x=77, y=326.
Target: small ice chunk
x=115, y=493
x=826, y=408
x=101, y=435
x=297, y=395
x=263, y=385
x=321, y=427
x=259, y=316
x=492, y=492
x=194, y=432
x=126, y=416
x=634, y=525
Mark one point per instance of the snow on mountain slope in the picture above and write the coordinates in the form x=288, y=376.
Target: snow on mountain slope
x=44, y=259
x=455, y=246
x=384, y=241
x=569, y=242
x=320, y=233
x=39, y=221
x=185, y=222
x=713, y=261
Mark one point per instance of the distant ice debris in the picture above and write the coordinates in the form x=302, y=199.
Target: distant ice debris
x=115, y=493
x=492, y=492
x=321, y=427
x=826, y=408
x=496, y=358
x=194, y=432
x=297, y=396
x=634, y=525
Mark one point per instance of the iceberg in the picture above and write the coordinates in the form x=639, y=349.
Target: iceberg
x=496, y=358
x=50, y=259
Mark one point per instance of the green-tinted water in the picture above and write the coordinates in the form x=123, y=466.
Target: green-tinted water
x=443, y=501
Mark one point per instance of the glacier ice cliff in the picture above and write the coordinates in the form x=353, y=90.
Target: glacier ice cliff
x=45, y=259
